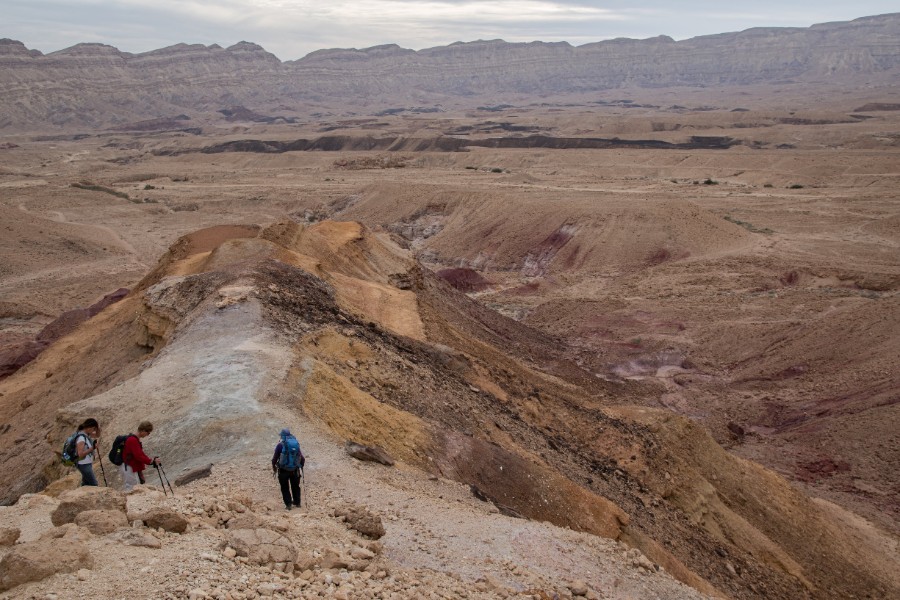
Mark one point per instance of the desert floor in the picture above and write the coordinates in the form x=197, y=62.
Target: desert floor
x=754, y=288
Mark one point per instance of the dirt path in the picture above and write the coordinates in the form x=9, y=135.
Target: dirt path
x=105, y=232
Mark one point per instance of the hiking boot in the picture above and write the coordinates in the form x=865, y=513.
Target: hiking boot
x=288, y=507
x=297, y=504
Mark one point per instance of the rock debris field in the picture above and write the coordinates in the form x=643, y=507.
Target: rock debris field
x=365, y=531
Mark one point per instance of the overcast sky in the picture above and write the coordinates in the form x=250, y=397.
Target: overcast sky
x=291, y=29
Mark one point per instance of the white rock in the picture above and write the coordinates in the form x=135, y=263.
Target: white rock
x=83, y=574
x=197, y=594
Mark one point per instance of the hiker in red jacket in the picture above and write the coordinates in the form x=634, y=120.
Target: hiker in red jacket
x=133, y=458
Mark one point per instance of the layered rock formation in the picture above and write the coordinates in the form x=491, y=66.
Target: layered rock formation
x=94, y=85
x=239, y=330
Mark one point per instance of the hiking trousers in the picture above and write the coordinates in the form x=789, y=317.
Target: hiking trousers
x=129, y=478
x=87, y=473
x=290, y=486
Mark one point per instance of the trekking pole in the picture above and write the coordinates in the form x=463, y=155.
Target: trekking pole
x=303, y=496
x=102, y=470
x=163, y=471
x=158, y=472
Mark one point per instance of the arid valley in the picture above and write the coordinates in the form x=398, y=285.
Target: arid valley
x=664, y=319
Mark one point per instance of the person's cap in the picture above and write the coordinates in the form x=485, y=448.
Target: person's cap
x=285, y=432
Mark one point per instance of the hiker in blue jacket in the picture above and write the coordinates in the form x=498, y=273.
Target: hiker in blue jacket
x=288, y=462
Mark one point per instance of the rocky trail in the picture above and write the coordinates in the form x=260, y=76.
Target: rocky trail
x=436, y=540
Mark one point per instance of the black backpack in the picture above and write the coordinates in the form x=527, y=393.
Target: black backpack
x=118, y=447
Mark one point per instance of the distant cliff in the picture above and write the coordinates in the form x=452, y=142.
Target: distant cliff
x=95, y=85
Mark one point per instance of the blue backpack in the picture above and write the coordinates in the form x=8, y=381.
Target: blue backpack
x=291, y=458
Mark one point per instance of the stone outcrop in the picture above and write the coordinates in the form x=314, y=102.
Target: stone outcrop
x=164, y=518
x=83, y=499
x=362, y=520
x=368, y=453
x=62, y=550
x=100, y=86
x=194, y=475
x=101, y=522
x=137, y=537
x=263, y=546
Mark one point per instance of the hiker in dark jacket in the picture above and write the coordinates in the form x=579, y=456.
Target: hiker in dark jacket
x=86, y=447
x=288, y=462
x=133, y=458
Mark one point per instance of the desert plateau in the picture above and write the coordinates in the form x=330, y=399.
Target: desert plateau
x=614, y=321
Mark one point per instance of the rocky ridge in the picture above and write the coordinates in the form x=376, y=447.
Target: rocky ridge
x=336, y=331
x=227, y=537
x=95, y=85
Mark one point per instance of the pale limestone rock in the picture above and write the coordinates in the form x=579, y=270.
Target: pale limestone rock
x=86, y=498
x=137, y=537
x=262, y=546
x=361, y=553
x=166, y=519
x=101, y=522
x=332, y=559
x=578, y=588
x=34, y=561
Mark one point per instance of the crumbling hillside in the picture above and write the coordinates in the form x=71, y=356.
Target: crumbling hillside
x=334, y=328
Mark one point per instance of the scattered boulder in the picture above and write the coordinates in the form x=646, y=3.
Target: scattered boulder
x=136, y=537
x=102, y=522
x=332, y=559
x=368, y=453
x=578, y=588
x=72, y=481
x=76, y=501
x=37, y=560
x=736, y=430
x=262, y=546
x=639, y=561
x=246, y=520
x=165, y=518
x=9, y=535
x=361, y=553
x=362, y=520
x=194, y=475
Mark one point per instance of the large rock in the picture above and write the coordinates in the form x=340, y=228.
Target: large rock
x=73, y=502
x=360, y=519
x=102, y=522
x=72, y=481
x=165, y=518
x=262, y=546
x=59, y=551
x=194, y=475
x=136, y=537
x=247, y=520
x=368, y=453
